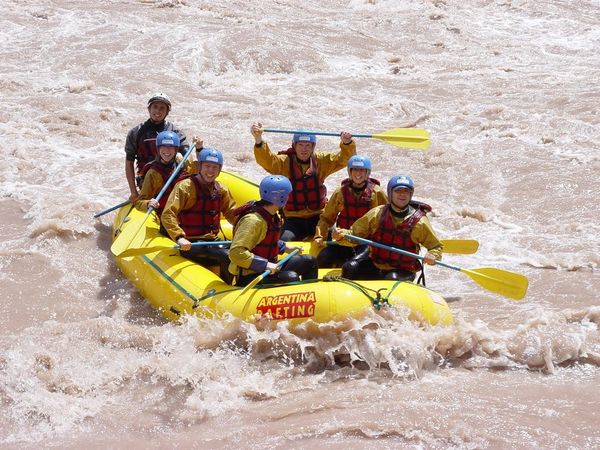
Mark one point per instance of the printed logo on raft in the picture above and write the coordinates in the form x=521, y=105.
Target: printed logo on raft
x=288, y=306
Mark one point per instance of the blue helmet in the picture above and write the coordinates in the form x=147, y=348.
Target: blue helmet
x=399, y=181
x=359, y=162
x=304, y=136
x=211, y=155
x=160, y=97
x=275, y=189
x=167, y=139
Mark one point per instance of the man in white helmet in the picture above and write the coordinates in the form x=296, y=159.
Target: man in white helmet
x=140, y=145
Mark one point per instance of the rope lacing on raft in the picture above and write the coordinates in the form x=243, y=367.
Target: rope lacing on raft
x=378, y=301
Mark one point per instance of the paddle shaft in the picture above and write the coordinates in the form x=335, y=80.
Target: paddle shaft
x=112, y=208
x=319, y=133
x=397, y=250
x=266, y=273
x=457, y=246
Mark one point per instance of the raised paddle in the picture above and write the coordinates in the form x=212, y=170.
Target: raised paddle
x=399, y=137
x=112, y=208
x=156, y=248
x=125, y=240
x=503, y=282
x=262, y=276
x=455, y=246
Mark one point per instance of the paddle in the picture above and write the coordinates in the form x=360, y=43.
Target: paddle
x=508, y=284
x=262, y=276
x=399, y=137
x=125, y=239
x=112, y=208
x=156, y=248
x=456, y=246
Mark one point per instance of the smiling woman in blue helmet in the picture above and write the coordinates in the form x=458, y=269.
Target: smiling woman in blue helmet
x=257, y=240
x=157, y=172
x=358, y=194
x=307, y=171
x=140, y=144
x=402, y=223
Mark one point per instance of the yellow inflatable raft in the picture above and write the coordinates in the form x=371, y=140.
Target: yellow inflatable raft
x=177, y=286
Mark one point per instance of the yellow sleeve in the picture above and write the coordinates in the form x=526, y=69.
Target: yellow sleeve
x=227, y=204
x=190, y=167
x=423, y=234
x=272, y=163
x=151, y=186
x=363, y=227
x=249, y=231
x=330, y=213
x=182, y=197
x=329, y=163
x=379, y=197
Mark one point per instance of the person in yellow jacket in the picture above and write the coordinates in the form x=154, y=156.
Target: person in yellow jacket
x=307, y=171
x=402, y=223
x=157, y=172
x=357, y=194
x=256, y=239
x=193, y=211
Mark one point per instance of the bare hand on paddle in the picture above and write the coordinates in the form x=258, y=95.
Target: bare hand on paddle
x=429, y=259
x=256, y=130
x=184, y=244
x=346, y=137
x=319, y=242
x=336, y=233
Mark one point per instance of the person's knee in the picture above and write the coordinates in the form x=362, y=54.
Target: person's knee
x=350, y=269
x=287, y=276
x=399, y=275
x=310, y=267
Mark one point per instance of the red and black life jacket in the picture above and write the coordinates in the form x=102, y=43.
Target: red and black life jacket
x=268, y=248
x=307, y=191
x=205, y=215
x=398, y=236
x=355, y=207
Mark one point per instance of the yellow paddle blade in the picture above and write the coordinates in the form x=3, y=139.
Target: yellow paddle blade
x=254, y=282
x=132, y=236
x=460, y=246
x=405, y=137
x=509, y=284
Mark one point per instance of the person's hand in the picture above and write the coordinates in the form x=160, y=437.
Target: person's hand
x=272, y=267
x=153, y=203
x=346, y=137
x=133, y=197
x=256, y=130
x=319, y=242
x=199, y=143
x=337, y=233
x=184, y=244
x=429, y=259
x=291, y=248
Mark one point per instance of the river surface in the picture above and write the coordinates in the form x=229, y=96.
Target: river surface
x=509, y=93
